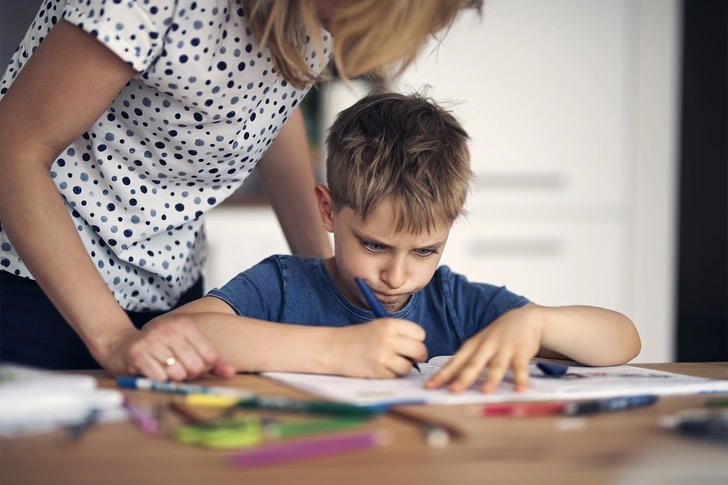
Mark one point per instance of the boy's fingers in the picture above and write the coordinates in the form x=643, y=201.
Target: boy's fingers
x=413, y=349
x=400, y=365
x=470, y=373
x=520, y=375
x=446, y=374
x=496, y=371
x=405, y=328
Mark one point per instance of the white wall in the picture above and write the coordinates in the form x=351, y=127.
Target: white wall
x=571, y=105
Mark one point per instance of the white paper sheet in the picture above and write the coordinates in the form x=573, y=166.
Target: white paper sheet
x=579, y=383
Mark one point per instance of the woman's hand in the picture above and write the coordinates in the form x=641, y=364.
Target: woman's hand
x=169, y=347
x=378, y=349
x=509, y=342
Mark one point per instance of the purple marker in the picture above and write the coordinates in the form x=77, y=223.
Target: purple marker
x=309, y=448
x=141, y=418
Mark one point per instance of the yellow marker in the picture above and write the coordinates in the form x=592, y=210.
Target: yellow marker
x=210, y=401
x=224, y=435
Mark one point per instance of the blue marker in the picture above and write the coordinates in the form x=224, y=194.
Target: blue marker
x=144, y=384
x=610, y=404
x=377, y=308
x=552, y=369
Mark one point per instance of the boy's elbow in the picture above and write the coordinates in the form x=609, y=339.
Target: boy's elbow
x=633, y=345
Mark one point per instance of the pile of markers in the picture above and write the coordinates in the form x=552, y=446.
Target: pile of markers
x=260, y=440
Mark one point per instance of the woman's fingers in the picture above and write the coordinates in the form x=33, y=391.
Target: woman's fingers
x=175, y=350
x=140, y=357
x=223, y=369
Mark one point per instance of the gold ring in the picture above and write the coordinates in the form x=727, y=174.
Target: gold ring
x=170, y=361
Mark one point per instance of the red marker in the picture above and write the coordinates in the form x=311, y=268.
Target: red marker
x=522, y=410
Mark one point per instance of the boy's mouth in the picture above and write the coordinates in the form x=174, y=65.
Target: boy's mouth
x=390, y=302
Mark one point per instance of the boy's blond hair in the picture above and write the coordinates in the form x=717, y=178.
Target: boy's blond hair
x=404, y=148
x=370, y=36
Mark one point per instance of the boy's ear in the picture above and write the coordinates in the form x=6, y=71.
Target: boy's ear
x=326, y=209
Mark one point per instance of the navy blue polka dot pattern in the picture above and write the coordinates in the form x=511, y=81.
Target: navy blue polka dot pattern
x=182, y=136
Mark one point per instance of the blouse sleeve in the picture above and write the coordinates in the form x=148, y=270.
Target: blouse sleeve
x=133, y=30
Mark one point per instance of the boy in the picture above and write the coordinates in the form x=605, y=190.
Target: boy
x=398, y=173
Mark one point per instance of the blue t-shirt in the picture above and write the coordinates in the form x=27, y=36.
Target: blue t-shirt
x=291, y=289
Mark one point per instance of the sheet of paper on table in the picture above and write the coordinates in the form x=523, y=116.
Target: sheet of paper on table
x=579, y=383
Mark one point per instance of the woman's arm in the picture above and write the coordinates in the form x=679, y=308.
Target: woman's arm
x=62, y=90
x=288, y=179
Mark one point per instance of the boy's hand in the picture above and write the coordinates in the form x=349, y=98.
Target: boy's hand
x=378, y=349
x=509, y=342
x=145, y=352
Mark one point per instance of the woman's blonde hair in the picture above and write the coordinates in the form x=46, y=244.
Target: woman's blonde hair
x=379, y=37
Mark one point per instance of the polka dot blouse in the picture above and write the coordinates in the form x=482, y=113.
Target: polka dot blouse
x=182, y=136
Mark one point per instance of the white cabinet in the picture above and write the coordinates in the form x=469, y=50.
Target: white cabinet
x=549, y=263
x=570, y=105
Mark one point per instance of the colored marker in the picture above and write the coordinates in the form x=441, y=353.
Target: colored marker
x=717, y=403
x=552, y=369
x=378, y=309
x=695, y=424
x=285, y=404
x=76, y=430
x=144, y=384
x=608, y=405
x=522, y=410
x=285, y=451
x=288, y=430
x=238, y=434
x=141, y=418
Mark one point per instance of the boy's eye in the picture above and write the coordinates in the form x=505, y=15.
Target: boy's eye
x=370, y=246
x=425, y=251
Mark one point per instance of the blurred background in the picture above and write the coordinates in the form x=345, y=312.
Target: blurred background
x=599, y=142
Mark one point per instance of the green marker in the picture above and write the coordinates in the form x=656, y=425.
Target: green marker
x=717, y=403
x=314, y=407
x=287, y=430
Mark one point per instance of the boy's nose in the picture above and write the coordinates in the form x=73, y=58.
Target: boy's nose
x=395, y=274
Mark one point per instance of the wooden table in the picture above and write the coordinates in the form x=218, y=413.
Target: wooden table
x=621, y=448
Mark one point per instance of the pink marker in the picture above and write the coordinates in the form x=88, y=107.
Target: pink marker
x=308, y=448
x=141, y=418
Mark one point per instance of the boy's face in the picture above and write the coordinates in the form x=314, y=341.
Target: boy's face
x=394, y=265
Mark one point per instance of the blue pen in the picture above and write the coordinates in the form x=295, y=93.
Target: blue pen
x=377, y=308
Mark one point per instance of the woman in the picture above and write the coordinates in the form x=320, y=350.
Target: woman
x=123, y=122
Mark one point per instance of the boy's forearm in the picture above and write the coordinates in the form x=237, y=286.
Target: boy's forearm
x=589, y=335
x=251, y=345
